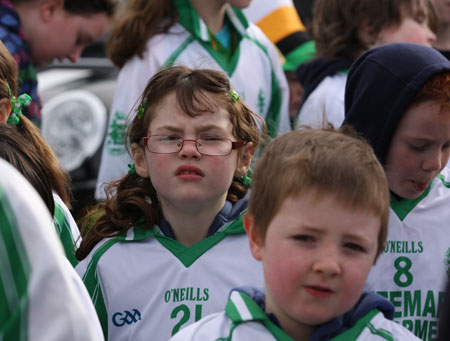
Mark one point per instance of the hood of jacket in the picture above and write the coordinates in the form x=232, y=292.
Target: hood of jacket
x=381, y=85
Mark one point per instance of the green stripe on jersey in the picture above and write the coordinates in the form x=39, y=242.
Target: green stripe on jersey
x=65, y=234
x=241, y=308
x=402, y=207
x=15, y=271
x=188, y=255
x=362, y=324
x=445, y=183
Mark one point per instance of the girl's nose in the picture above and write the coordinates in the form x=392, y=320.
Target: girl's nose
x=189, y=149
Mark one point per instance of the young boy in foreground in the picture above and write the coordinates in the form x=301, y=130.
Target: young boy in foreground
x=317, y=219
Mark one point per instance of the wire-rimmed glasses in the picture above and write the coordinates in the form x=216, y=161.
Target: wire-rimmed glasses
x=206, y=145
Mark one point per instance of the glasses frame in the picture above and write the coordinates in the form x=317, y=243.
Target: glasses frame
x=234, y=144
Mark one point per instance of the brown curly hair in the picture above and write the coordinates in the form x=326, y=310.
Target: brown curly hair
x=133, y=199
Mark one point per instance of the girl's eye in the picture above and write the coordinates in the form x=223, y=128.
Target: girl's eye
x=355, y=247
x=169, y=138
x=211, y=138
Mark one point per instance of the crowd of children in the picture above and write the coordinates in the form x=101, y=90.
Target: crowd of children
x=338, y=233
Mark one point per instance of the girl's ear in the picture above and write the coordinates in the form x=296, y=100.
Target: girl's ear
x=245, y=158
x=140, y=162
x=5, y=109
x=254, y=239
x=49, y=8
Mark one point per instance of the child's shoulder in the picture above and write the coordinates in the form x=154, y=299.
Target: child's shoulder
x=375, y=326
x=242, y=319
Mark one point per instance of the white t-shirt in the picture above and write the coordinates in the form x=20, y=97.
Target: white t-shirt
x=415, y=266
x=146, y=285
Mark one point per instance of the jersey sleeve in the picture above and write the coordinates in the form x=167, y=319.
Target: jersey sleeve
x=39, y=296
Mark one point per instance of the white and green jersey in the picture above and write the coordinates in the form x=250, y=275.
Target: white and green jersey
x=414, y=268
x=254, y=71
x=67, y=229
x=40, y=296
x=243, y=319
x=145, y=285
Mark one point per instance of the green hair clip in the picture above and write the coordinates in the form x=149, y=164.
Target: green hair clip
x=141, y=108
x=234, y=95
x=131, y=168
x=17, y=103
x=247, y=178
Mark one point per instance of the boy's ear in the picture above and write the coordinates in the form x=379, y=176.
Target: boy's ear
x=254, y=239
x=367, y=34
x=245, y=159
x=140, y=162
x=49, y=8
x=5, y=109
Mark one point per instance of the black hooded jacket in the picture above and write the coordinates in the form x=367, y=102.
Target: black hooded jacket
x=381, y=85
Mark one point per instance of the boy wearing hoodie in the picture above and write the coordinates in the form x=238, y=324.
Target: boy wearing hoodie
x=318, y=229
x=343, y=30
x=398, y=98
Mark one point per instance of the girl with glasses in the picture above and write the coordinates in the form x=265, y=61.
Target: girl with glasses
x=168, y=243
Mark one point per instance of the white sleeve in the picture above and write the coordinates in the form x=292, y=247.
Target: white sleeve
x=50, y=303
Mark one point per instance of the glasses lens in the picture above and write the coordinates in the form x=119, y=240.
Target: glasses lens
x=214, y=146
x=164, y=144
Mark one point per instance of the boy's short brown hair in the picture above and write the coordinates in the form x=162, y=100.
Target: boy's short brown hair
x=336, y=23
x=330, y=161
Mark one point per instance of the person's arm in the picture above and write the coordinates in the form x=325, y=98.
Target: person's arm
x=40, y=298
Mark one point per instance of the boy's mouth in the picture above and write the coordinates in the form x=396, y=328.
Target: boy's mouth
x=420, y=186
x=318, y=291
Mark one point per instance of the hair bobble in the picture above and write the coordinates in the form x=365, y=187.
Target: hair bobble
x=234, y=95
x=141, y=108
x=17, y=103
x=131, y=168
x=247, y=178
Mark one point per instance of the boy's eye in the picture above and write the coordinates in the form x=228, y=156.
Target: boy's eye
x=418, y=147
x=304, y=238
x=354, y=247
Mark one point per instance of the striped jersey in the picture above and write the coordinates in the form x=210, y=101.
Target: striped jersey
x=414, y=268
x=145, y=284
x=66, y=228
x=243, y=319
x=40, y=296
x=254, y=70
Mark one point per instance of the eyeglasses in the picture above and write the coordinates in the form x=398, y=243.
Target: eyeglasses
x=206, y=145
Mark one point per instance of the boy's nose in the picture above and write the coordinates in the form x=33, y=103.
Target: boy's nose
x=327, y=264
x=434, y=161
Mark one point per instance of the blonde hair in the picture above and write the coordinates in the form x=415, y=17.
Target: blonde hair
x=327, y=160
